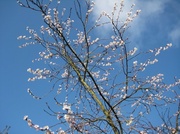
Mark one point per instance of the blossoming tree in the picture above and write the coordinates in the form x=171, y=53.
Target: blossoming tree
x=102, y=78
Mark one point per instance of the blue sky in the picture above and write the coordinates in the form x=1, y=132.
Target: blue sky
x=157, y=25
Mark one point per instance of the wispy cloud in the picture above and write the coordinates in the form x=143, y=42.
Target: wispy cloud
x=107, y=6
x=175, y=35
x=152, y=10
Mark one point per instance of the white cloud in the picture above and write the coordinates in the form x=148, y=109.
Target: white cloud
x=152, y=6
x=107, y=6
x=151, y=9
x=175, y=36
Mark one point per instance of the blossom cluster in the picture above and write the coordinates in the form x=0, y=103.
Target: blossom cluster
x=158, y=50
x=45, y=128
x=39, y=73
x=35, y=126
x=69, y=115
